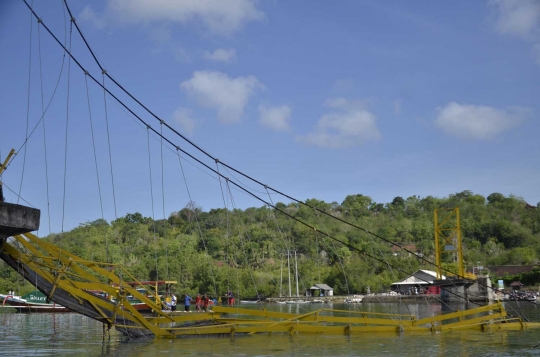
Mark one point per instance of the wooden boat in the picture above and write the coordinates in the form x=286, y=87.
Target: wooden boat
x=297, y=302
x=353, y=300
x=34, y=301
x=159, y=291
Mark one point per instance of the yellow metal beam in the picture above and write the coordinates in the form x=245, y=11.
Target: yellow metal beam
x=6, y=161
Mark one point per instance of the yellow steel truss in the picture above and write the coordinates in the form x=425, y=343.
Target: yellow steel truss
x=448, y=238
x=68, y=279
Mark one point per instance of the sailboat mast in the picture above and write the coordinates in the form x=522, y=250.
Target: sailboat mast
x=289, y=267
x=296, y=268
x=281, y=278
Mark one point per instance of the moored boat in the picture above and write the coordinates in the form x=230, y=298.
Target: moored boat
x=34, y=301
x=297, y=302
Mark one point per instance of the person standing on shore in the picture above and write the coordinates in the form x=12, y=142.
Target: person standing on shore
x=187, y=302
x=173, y=302
x=205, y=302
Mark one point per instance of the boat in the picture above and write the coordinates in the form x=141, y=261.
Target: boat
x=149, y=289
x=520, y=296
x=34, y=301
x=297, y=302
x=155, y=290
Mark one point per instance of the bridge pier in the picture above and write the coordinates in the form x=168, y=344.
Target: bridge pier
x=17, y=219
x=455, y=290
x=481, y=290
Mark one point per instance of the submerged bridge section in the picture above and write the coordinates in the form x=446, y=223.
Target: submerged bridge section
x=71, y=281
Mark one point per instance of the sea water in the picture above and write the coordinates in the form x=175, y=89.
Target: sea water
x=71, y=334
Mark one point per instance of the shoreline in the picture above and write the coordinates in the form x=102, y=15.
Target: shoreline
x=371, y=298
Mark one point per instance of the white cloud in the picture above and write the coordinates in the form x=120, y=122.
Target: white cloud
x=227, y=95
x=518, y=17
x=89, y=15
x=349, y=125
x=477, y=121
x=183, y=116
x=275, y=118
x=221, y=55
x=220, y=17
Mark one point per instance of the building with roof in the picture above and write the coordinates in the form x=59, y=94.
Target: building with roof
x=320, y=290
x=421, y=280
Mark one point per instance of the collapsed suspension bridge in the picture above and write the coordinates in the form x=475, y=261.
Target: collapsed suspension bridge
x=73, y=282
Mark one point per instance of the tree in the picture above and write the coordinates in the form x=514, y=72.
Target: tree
x=495, y=198
x=357, y=205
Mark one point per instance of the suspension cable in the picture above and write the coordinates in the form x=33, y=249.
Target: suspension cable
x=27, y=102
x=108, y=140
x=152, y=199
x=96, y=165
x=163, y=205
x=67, y=125
x=227, y=235
x=199, y=230
x=44, y=130
x=233, y=205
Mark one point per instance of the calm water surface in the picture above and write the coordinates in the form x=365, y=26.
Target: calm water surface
x=75, y=335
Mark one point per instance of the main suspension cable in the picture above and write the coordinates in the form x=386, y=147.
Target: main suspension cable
x=225, y=165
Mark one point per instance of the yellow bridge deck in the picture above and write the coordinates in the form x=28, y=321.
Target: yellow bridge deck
x=69, y=280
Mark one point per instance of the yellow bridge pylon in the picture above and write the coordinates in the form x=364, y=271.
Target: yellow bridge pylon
x=448, y=240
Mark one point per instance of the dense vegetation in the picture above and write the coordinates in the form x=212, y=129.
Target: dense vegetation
x=246, y=251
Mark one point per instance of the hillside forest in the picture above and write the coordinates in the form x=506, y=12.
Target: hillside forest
x=247, y=250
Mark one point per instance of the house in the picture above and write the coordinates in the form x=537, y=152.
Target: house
x=404, y=250
x=320, y=290
x=516, y=285
x=422, y=280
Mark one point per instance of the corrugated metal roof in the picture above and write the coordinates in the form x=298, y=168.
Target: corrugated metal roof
x=413, y=279
x=321, y=286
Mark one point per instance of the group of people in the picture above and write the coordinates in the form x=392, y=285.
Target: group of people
x=201, y=302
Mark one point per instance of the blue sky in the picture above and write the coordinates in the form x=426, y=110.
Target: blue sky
x=315, y=99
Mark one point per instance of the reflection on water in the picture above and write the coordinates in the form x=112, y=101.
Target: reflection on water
x=75, y=335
